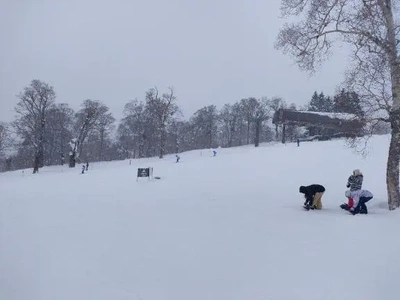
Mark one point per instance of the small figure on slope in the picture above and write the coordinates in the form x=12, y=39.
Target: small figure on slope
x=357, y=200
x=177, y=158
x=313, y=194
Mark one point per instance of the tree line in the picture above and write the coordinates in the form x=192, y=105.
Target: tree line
x=50, y=133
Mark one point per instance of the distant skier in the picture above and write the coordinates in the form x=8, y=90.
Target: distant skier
x=215, y=153
x=87, y=165
x=177, y=158
x=83, y=169
x=355, y=181
x=313, y=194
x=298, y=142
x=359, y=198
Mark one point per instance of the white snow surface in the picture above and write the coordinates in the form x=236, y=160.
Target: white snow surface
x=343, y=116
x=228, y=227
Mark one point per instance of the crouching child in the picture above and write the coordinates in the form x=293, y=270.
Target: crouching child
x=357, y=201
x=313, y=194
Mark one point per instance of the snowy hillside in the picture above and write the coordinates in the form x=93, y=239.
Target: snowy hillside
x=229, y=227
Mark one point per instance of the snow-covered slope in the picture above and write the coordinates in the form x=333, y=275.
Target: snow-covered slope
x=226, y=227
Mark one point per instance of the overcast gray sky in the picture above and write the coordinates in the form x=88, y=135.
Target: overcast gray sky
x=210, y=51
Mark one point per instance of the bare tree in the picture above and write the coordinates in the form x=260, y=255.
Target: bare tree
x=275, y=104
x=86, y=120
x=125, y=141
x=163, y=108
x=5, y=138
x=58, y=132
x=35, y=101
x=369, y=27
x=230, y=118
x=249, y=107
x=262, y=113
x=132, y=129
x=204, y=125
x=179, y=136
x=105, y=125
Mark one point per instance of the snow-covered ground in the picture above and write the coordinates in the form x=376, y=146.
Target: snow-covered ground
x=228, y=227
x=343, y=116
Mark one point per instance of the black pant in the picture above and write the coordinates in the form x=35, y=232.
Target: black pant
x=361, y=208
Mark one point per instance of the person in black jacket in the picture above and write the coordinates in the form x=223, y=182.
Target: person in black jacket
x=313, y=194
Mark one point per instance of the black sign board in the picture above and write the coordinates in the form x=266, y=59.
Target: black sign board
x=144, y=172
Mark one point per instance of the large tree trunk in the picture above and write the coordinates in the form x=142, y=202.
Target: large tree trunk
x=36, y=163
x=72, y=155
x=72, y=159
x=163, y=136
x=248, y=132
x=41, y=156
x=40, y=153
x=232, y=131
x=177, y=144
x=257, y=137
x=9, y=164
x=141, y=145
x=162, y=144
x=101, y=145
x=210, y=137
x=141, y=150
x=392, y=171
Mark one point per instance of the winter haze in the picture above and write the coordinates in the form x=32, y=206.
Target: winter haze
x=211, y=52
